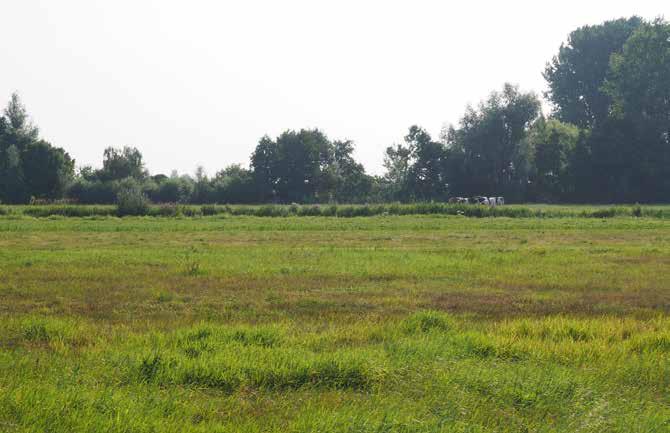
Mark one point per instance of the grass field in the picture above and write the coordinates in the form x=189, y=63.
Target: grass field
x=430, y=323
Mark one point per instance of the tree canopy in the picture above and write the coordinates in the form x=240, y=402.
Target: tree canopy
x=606, y=139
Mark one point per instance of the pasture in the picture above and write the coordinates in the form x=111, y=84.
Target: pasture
x=386, y=323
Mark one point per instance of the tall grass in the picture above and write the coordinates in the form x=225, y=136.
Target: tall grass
x=347, y=211
x=310, y=324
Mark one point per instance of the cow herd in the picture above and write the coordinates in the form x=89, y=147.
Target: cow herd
x=481, y=200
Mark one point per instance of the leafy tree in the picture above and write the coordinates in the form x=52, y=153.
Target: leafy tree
x=397, y=162
x=19, y=130
x=488, y=153
x=48, y=170
x=264, y=166
x=577, y=73
x=234, y=184
x=426, y=174
x=29, y=166
x=294, y=168
x=203, y=192
x=122, y=163
x=553, y=144
x=13, y=188
x=635, y=144
x=351, y=183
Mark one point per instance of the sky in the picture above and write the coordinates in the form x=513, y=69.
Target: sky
x=198, y=82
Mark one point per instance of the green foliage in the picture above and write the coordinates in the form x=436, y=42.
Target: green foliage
x=130, y=200
x=606, y=141
x=488, y=152
x=576, y=75
x=120, y=164
x=553, y=145
x=348, y=211
x=29, y=167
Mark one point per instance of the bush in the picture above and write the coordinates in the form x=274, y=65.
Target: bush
x=68, y=211
x=164, y=210
x=131, y=201
x=210, y=209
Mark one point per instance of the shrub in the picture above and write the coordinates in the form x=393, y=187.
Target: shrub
x=164, y=210
x=131, y=201
x=209, y=210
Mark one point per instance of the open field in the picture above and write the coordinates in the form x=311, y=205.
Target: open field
x=430, y=323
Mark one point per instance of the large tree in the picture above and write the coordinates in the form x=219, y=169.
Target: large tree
x=351, y=183
x=427, y=174
x=577, y=73
x=264, y=166
x=122, y=163
x=302, y=166
x=639, y=85
x=488, y=153
x=48, y=170
x=29, y=167
x=397, y=162
x=553, y=144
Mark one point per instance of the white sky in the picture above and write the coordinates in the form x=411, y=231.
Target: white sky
x=199, y=82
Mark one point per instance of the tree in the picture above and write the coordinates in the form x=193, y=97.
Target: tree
x=234, y=184
x=426, y=174
x=397, y=165
x=352, y=184
x=19, y=130
x=12, y=182
x=203, y=192
x=29, y=166
x=264, y=166
x=488, y=154
x=119, y=164
x=553, y=144
x=47, y=170
x=576, y=75
x=294, y=168
x=639, y=86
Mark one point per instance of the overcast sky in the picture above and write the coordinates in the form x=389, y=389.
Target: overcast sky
x=199, y=82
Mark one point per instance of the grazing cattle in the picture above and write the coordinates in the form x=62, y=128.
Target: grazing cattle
x=479, y=199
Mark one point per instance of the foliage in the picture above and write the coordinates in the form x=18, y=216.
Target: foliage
x=576, y=75
x=29, y=167
x=131, y=200
x=606, y=140
x=553, y=146
x=488, y=152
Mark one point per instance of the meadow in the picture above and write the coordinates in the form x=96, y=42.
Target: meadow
x=545, y=319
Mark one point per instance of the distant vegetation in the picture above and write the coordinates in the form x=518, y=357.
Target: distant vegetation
x=607, y=140
x=131, y=204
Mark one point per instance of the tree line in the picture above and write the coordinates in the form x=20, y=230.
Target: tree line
x=606, y=139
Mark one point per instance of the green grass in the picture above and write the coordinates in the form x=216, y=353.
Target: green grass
x=348, y=211
x=430, y=323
